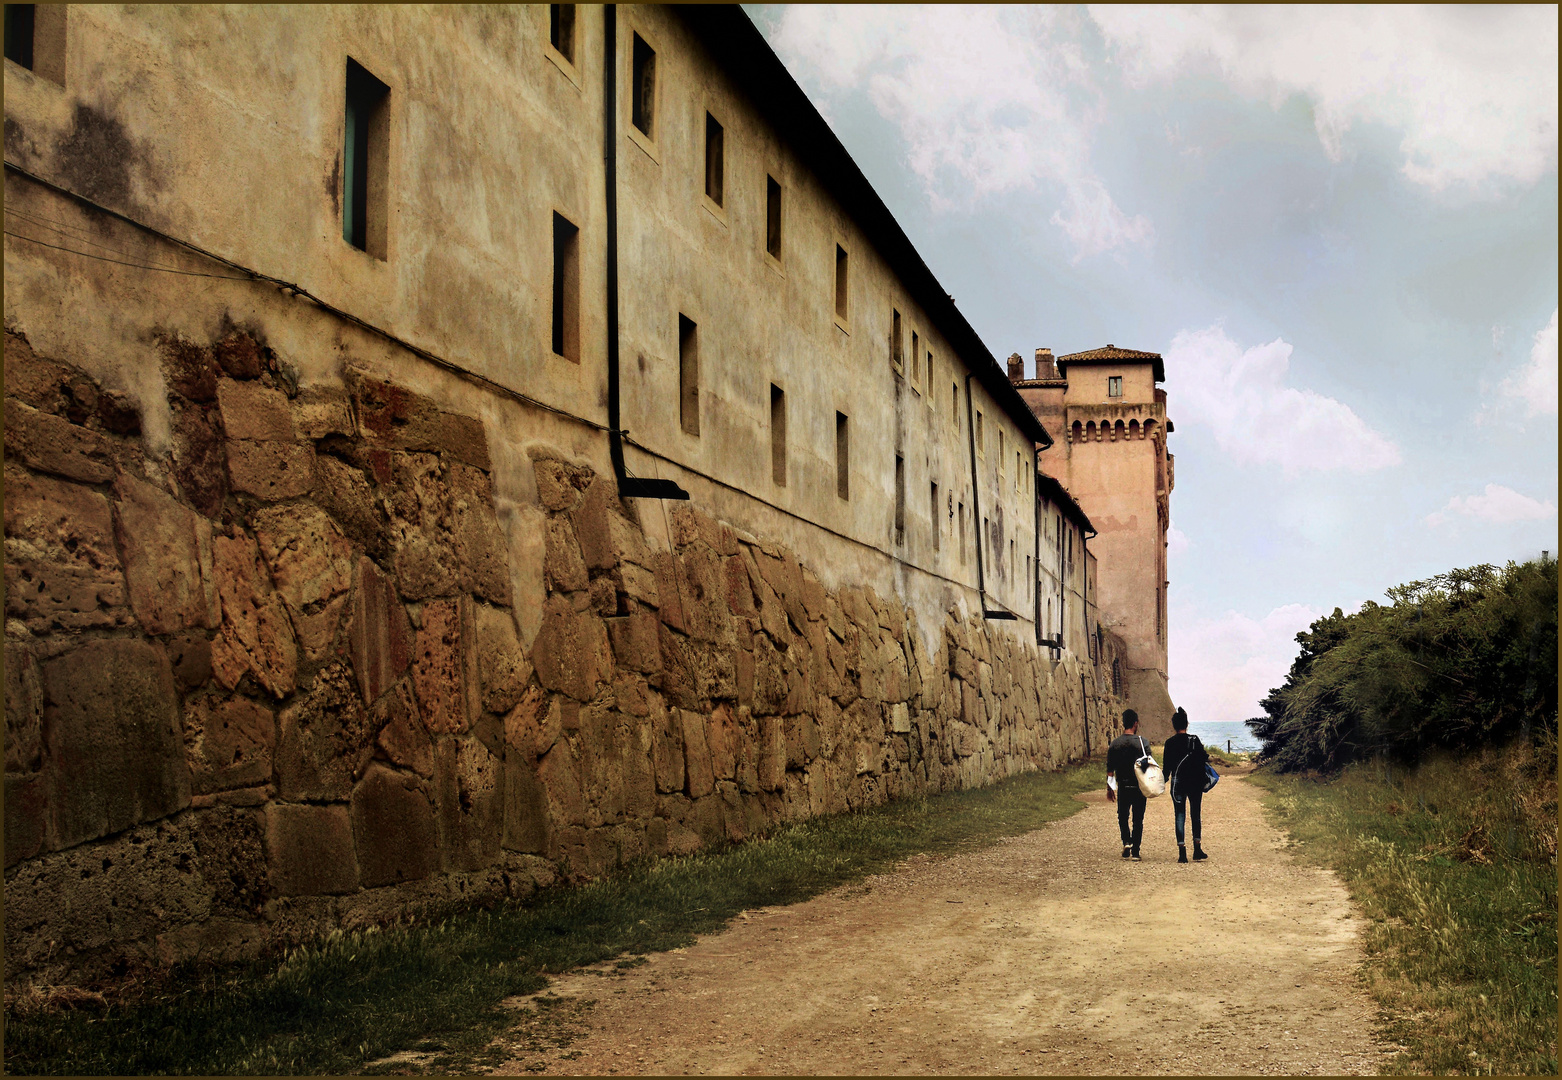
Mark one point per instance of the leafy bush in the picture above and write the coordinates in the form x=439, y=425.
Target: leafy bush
x=1462, y=660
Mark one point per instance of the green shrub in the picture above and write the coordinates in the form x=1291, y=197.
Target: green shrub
x=1462, y=660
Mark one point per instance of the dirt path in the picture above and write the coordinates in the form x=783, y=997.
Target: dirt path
x=1044, y=954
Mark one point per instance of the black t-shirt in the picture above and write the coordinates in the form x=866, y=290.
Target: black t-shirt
x=1120, y=757
x=1185, y=751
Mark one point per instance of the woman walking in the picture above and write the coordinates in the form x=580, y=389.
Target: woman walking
x=1185, y=760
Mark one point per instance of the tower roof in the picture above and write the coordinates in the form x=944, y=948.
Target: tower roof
x=1111, y=354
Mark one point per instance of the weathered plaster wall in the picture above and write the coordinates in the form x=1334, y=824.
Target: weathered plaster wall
x=280, y=677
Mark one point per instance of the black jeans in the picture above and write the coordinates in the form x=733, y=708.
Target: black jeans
x=1191, y=800
x=1131, y=800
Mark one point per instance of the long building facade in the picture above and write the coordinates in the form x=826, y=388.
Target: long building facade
x=453, y=450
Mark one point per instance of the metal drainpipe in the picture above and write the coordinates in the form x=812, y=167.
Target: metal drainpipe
x=629, y=487
x=1035, y=581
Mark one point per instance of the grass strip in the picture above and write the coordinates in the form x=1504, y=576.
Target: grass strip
x=335, y=1006
x=1454, y=865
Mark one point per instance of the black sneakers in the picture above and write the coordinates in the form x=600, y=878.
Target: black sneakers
x=1135, y=855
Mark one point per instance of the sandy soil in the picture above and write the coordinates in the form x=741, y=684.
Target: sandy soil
x=1047, y=953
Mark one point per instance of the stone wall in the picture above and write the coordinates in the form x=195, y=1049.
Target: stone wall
x=269, y=681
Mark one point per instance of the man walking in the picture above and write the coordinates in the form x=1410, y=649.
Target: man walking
x=1185, y=761
x=1120, y=757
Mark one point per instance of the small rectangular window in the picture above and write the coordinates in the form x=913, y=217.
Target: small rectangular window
x=981, y=444
x=366, y=161
x=986, y=541
x=688, y=375
x=900, y=499
x=566, y=289
x=714, y=157
x=842, y=457
x=933, y=517
x=916, y=359
x=954, y=403
x=642, y=87
x=961, y=520
x=772, y=217
x=1000, y=454
x=1114, y=386
x=840, y=283
x=19, y=33
x=1019, y=471
x=929, y=369
x=778, y=435
x=894, y=340
x=561, y=29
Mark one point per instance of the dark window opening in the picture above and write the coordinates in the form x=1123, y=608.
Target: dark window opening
x=19, y=33
x=840, y=282
x=714, y=155
x=772, y=217
x=561, y=29
x=900, y=499
x=688, y=375
x=566, y=289
x=842, y=457
x=962, y=534
x=916, y=359
x=933, y=517
x=894, y=339
x=778, y=435
x=365, y=161
x=642, y=93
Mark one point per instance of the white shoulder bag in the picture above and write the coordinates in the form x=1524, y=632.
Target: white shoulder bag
x=1151, y=780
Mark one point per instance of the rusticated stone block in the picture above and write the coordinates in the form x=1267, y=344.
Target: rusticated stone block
x=346, y=495
x=721, y=739
x=696, y=753
x=470, y=800
x=311, y=561
x=772, y=752
x=560, y=778
x=51, y=444
x=229, y=743
x=310, y=850
x=257, y=634
x=593, y=525
x=62, y=569
x=525, y=807
x=26, y=816
x=239, y=356
x=230, y=855
x=23, y=709
x=111, y=739
x=418, y=501
x=191, y=369
x=167, y=558
x=563, y=564
x=444, y=667
x=407, y=421
x=802, y=740
x=523, y=726
x=785, y=577
x=394, y=833
x=571, y=653
x=325, y=738
x=501, y=662
x=319, y=411
x=559, y=483
x=667, y=751
x=770, y=682
x=402, y=735
x=740, y=594
x=200, y=456
x=669, y=590
x=41, y=383
x=480, y=545
x=636, y=645
x=380, y=640
x=254, y=412
x=271, y=470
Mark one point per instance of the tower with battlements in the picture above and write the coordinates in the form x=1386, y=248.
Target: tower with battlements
x=1111, y=456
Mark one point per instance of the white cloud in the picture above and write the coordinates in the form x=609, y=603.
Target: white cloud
x=1220, y=668
x=1497, y=505
x=1177, y=541
x=1472, y=90
x=1535, y=384
x=989, y=101
x=1241, y=396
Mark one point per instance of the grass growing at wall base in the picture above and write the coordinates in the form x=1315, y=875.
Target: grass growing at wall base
x=355, y=998
x=1454, y=865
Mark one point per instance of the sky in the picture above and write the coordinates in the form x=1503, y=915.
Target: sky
x=1338, y=225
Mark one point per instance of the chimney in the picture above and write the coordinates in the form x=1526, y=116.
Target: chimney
x=1016, y=368
x=1046, y=367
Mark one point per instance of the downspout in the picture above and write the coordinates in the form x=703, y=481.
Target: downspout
x=1035, y=581
x=976, y=508
x=629, y=487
